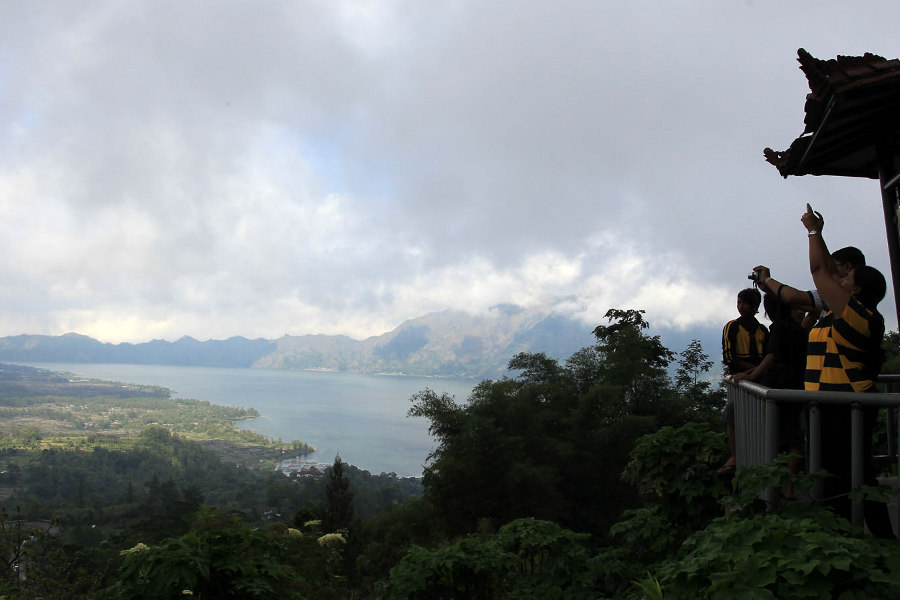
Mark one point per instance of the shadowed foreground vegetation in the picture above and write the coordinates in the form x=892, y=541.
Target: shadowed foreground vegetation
x=591, y=478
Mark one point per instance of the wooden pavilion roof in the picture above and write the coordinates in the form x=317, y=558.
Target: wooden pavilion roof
x=852, y=113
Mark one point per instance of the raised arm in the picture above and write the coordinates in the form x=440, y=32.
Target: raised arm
x=822, y=265
x=814, y=223
x=785, y=293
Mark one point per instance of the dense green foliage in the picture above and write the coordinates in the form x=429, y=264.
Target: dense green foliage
x=792, y=551
x=154, y=496
x=680, y=493
x=552, y=443
x=527, y=558
x=891, y=347
x=222, y=558
x=808, y=554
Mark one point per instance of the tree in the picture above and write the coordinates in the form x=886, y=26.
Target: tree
x=694, y=362
x=635, y=362
x=703, y=402
x=339, y=498
x=13, y=535
x=891, y=348
x=628, y=353
x=552, y=442
x=498, y=456
x=535, y=368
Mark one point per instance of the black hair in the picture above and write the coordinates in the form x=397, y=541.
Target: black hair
x=775, y=309
x=750, y=296
x=872, y=285
x=850, y=255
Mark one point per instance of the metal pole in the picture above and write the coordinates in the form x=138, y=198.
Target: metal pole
x=892, y=450
x=856, y=460
x=887, y=176
x=771, y=438
x=815, y=447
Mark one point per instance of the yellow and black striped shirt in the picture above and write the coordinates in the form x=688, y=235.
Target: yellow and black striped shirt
x=743, y=339
x=844, y=352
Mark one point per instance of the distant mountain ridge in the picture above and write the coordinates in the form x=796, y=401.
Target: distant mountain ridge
x=441, y=344
x=186, y=351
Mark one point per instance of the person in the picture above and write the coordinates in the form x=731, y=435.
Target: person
x=843, y=354
x=744, y=339
x=784, y=367
x=784, y=363
x=842, y=262
x=743, y=346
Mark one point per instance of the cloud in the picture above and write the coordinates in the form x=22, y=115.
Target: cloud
x=337, y=167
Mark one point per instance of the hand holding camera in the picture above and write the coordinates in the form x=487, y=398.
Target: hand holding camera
x=760, y=275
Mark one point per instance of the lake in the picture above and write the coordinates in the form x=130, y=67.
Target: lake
x=361, y=417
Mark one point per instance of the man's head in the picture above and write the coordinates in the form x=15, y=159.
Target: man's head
x=867, y=283
x=847, y=259
x=748, y=302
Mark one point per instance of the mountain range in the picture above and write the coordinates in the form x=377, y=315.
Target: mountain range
x=441, y=344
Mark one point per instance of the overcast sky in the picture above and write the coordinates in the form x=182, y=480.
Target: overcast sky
x=266, y=168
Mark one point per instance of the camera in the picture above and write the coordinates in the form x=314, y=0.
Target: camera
x=754, y=276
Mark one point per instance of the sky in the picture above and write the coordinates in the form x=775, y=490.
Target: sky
x=257, y=169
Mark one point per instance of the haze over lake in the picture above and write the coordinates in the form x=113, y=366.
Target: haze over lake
x=361, y=417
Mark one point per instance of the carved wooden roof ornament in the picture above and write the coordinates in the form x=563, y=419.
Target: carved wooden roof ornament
x=852, y=118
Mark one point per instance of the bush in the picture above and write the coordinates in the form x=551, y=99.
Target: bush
x=526, y=559
x=806, y=552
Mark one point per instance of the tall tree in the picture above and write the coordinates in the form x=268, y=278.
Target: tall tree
x=339, y=498
x=629, y=353
x=635, y=362
x=694, y=362
x=703, y=401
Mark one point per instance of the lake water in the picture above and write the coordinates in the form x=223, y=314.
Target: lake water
x=361, y=417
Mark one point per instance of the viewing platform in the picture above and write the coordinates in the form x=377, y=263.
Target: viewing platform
x=756, y=410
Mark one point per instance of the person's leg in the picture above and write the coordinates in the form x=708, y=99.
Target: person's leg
x=836, y=458
x=795, y=461
x=876, y=513
x=791, y=438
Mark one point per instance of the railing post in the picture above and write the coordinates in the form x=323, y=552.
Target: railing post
x=896, y=498
x=740, y=449
x=771, y=444
x=856, y=460
x=815, y=447
x=892, y=450
x=894, y=493
x=893, y=417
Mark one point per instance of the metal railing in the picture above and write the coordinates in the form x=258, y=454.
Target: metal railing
x=756, y=420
